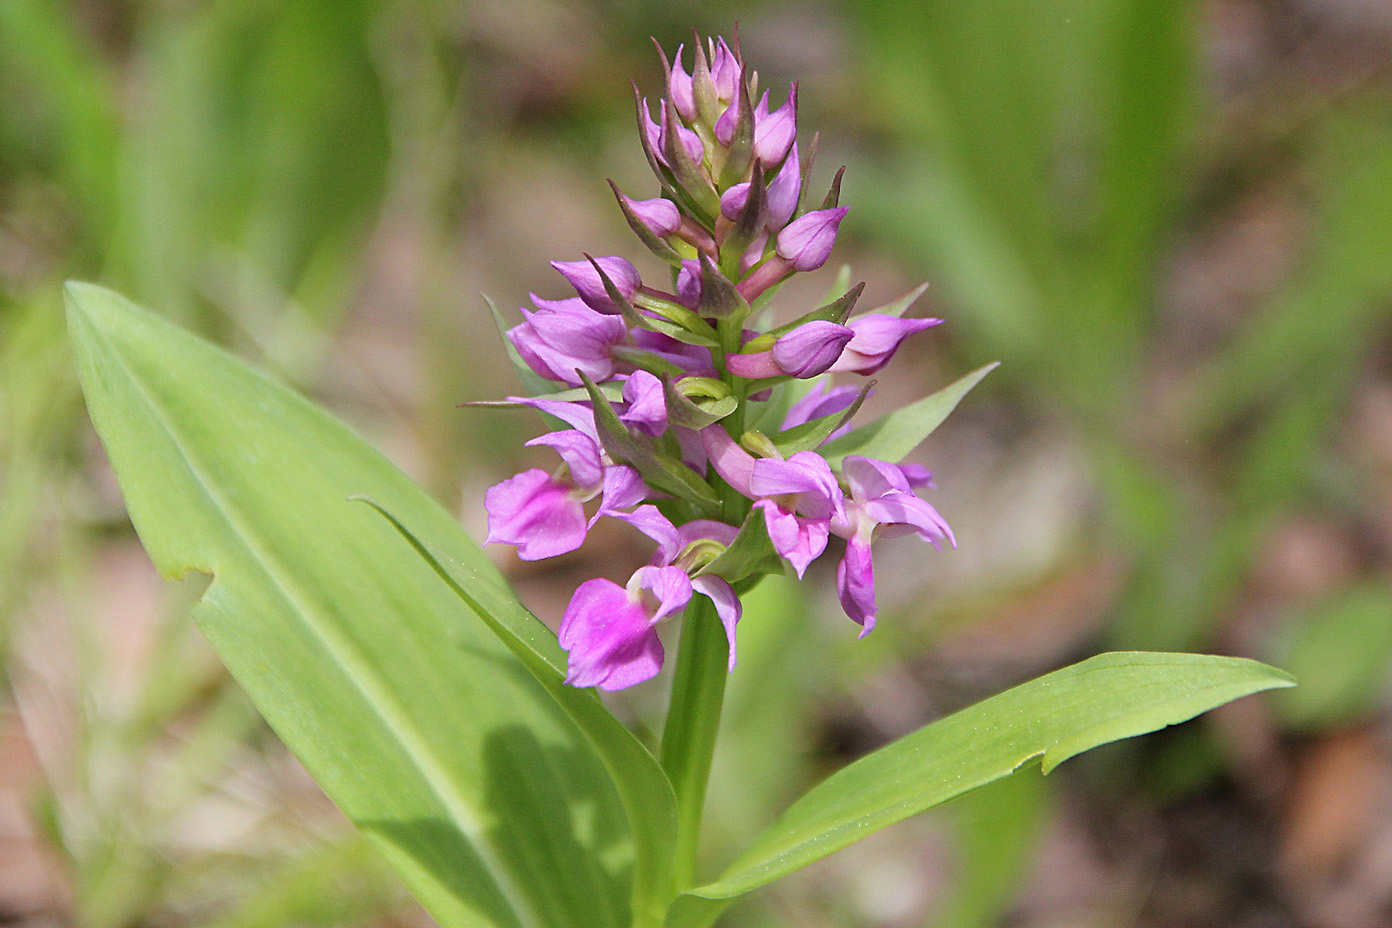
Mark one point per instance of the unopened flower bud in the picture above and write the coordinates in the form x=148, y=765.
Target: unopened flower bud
x=586, y=280
x=807, y=241
x=774, y=133
x=811, y=349
x=659, y=215
x=679, y=88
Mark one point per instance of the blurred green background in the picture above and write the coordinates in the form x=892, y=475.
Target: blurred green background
x=1171, y=221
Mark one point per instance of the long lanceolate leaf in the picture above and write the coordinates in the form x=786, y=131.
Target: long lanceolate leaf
x=892, y=436
x=1064, y=713
x=412, y=715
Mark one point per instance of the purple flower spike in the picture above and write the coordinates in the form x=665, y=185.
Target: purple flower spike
x=609, y=630
x=877, y=338
x=586, y=280
x=679, y=87
x=564, y=336
x=540, y=516
x=659, y=215
x=812, y=348
x=775, y=132
x=807, y=241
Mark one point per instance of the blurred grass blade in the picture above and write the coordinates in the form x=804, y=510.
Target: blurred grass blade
x=1052, y=718
x=892, y=436
x=415, y=719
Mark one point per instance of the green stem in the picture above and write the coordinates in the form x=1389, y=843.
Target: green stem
x=693, y=719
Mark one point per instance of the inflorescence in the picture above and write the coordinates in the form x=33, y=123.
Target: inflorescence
x=682, y=420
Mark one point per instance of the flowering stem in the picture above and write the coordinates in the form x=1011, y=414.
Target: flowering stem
x=688, y=741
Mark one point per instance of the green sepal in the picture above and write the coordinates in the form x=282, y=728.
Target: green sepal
x=719, y=298
x=686, y=334
x=533, y=384
x=748, y=224
x=682, y=410
x=810, y=435
x=658, y=471
x=739, y=155
x=898, y=307
x=835, y=311
x=750, y=554
x=613, y=390
x=890, y=438
x=833, y=197
x=688, y=174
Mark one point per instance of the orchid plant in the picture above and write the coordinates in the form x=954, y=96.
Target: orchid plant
x=460, y=733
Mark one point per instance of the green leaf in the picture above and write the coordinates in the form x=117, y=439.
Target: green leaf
x=890, y=437
x=643, y=786
x=1052, y=718
x=413, y=717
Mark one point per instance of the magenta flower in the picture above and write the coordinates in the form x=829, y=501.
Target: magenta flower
x=806, y=242
x=822, y=400
x=564, y=336
x=537, y=513
x=784, y=190
x=808, y=350
x=774, y=132
x=799, y=498
x=877, y=338
x=882, y=504
x=610, y=630
x=587, y=282
x=659, y=215
x=679, y=89
x=647, y=407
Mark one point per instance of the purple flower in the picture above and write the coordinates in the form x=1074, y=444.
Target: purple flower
x=800, y=498
x=610, y=630
x=647, y=407
x=679, y=87
x=732, y=201
x=808, y=350
x=564, y=336
x=822, y=400
x=877, y=338
x=807, y=241
x=725, y=72
x=775, y=131
x=784, y=191
x=689, y=283
x=538, y=514
x=882, y=504
x=659, y=215
x=587, y=282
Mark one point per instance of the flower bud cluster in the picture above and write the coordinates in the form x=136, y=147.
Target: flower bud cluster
x=685, y=420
